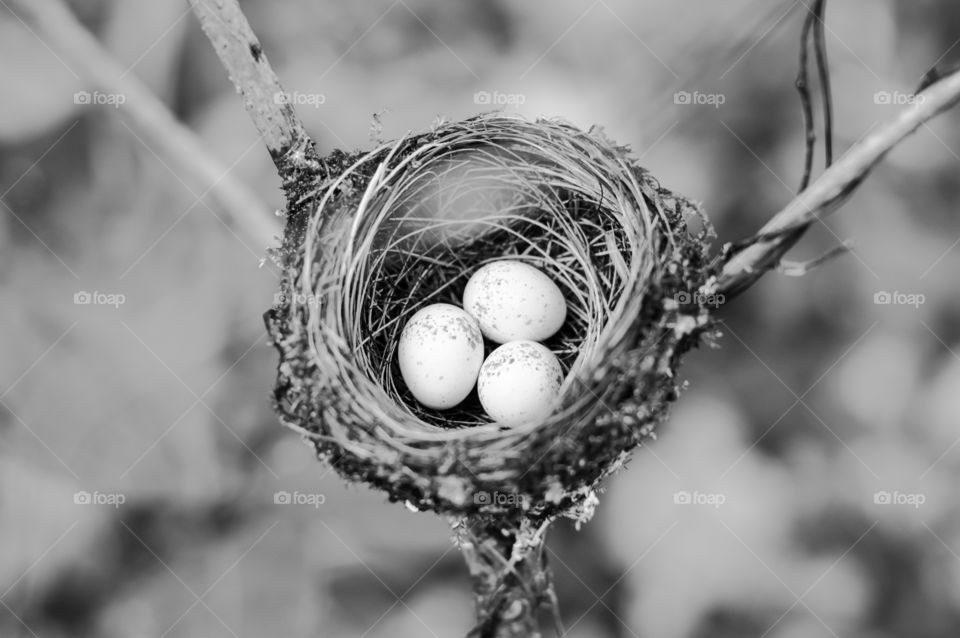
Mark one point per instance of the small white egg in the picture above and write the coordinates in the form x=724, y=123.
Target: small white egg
x=514, y=301
x=519, y=382
x=440, y=354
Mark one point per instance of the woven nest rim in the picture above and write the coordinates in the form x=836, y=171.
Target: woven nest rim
x=371, y=435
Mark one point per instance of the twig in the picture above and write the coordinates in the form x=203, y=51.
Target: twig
x=267, y=104
x=937, y=73
x=831, y=189
x=814, y=23
x=801, y=268
x=150, y=118
x=802, y=85
x=823, y=72
x=511, y=581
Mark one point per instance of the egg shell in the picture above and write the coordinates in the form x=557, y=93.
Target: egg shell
x=440, y=354
x=513, y=300
x=519, y=382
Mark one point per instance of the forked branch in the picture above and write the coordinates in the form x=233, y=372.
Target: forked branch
x=828, y=192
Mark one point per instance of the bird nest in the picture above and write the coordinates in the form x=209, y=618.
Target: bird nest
x=405, y=225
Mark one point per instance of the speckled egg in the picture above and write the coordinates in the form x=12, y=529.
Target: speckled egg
x=519, y=382
x=513, y=300
x=440, y=354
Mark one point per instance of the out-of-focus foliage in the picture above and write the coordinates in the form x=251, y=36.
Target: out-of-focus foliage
x=817, y=446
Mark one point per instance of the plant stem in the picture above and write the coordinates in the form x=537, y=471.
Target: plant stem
x=150, y=118
x=828, y=192
x=813, y=24
x=267, y=104
x=511, y=581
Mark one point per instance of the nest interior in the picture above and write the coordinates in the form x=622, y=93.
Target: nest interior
x=405, y=225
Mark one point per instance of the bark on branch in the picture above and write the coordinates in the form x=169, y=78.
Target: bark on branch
x=512, y=583
x=238, y=48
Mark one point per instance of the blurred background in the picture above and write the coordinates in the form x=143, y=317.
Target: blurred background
x=805, y=485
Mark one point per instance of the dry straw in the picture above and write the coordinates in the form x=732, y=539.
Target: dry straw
x=404, y=225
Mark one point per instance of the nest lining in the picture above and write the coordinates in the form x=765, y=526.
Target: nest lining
x=405, y=225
